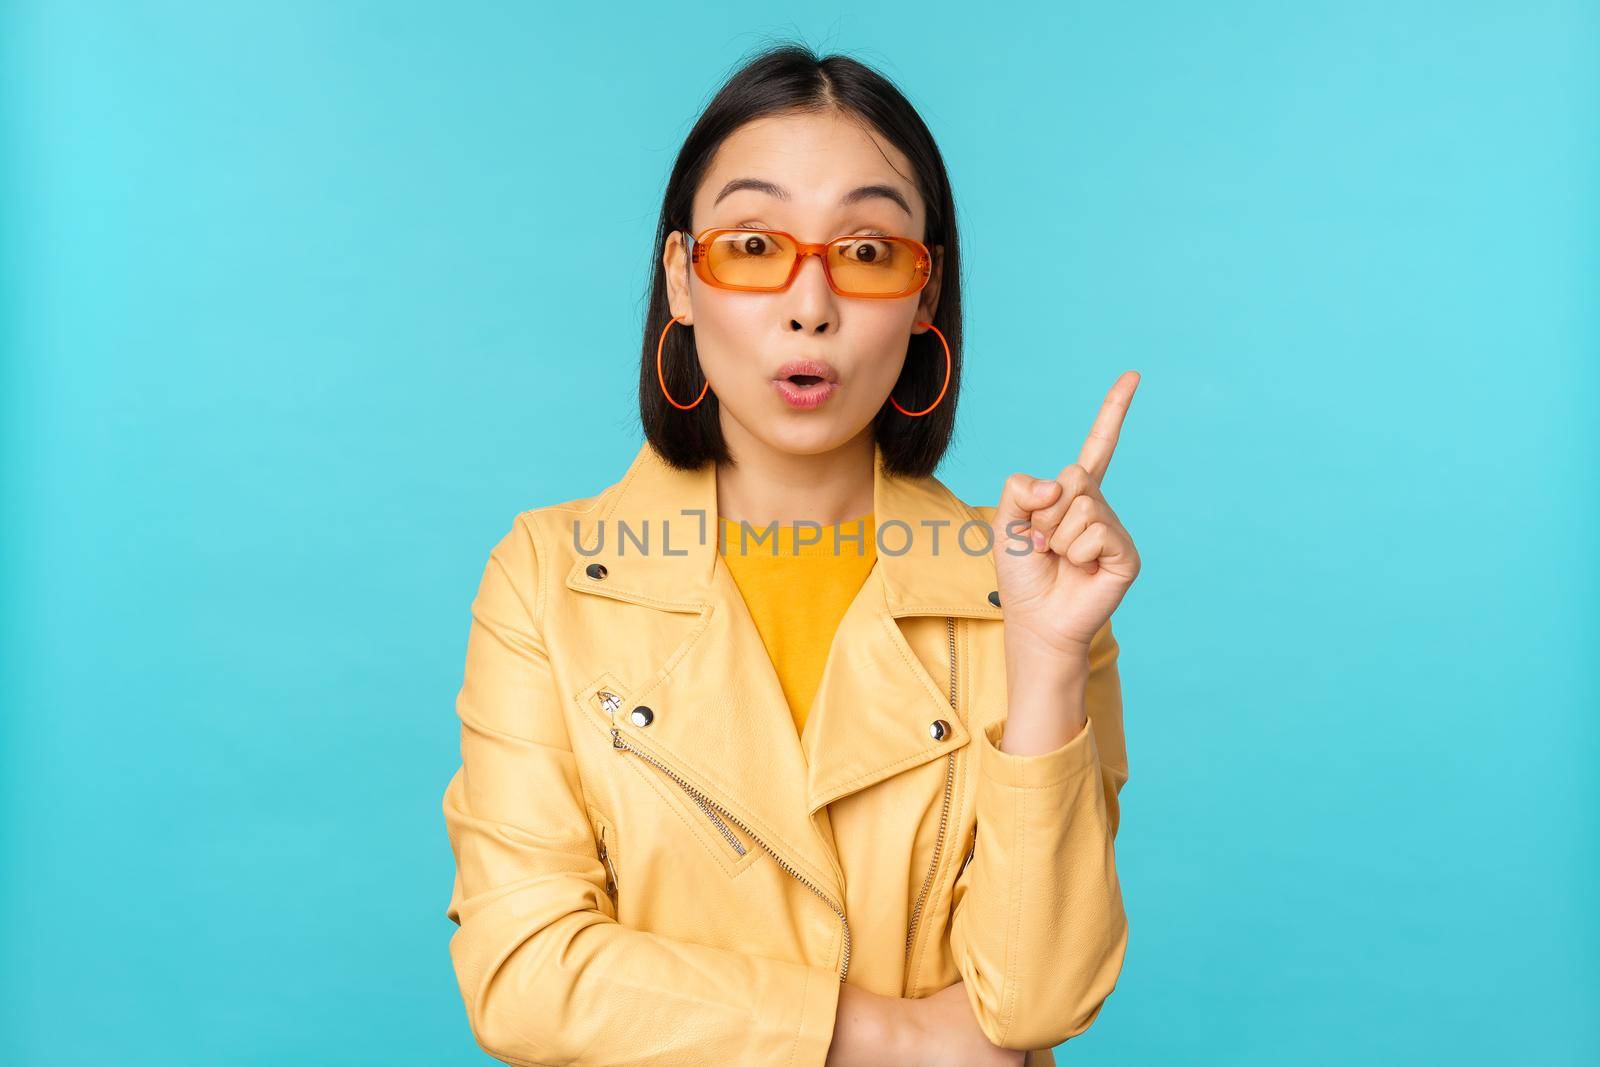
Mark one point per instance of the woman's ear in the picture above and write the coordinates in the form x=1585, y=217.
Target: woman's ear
x=675, y=261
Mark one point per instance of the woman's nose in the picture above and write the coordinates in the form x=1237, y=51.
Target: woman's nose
x=812, y=273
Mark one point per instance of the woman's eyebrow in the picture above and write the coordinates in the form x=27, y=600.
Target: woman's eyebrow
x=854, y=196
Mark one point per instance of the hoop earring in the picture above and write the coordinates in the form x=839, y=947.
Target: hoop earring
x=662, y=378
x=937, y=399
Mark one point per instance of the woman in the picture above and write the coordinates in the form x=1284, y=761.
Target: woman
x=719, y=807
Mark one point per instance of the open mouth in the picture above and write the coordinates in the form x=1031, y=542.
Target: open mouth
x=805, y=390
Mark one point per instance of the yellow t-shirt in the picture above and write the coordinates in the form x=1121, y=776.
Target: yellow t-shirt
x=797, y=593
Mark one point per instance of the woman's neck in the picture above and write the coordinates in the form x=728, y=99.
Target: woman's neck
x=768, y=485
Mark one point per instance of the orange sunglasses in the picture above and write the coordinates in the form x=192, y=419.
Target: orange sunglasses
x=767, y=261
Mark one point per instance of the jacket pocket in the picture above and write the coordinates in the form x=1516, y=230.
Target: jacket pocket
x=657, y=809
x=733, y=850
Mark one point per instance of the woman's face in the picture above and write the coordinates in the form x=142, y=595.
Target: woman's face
x=810, y=164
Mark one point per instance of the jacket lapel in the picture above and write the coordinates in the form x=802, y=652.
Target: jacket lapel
x=877, y=702
x=719, y=716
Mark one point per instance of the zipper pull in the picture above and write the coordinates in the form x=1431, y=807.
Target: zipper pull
x=605, y=858
x=611, y=702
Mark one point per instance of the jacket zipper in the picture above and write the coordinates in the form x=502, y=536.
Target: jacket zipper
x=611, y=872
x=944, y=810
x=711, y=807
x=611, y=702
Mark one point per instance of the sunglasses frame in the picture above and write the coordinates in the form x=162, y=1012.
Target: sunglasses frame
x=699, y=249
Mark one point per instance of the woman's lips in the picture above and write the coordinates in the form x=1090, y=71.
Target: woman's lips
x=806, y=383
x=804, y=392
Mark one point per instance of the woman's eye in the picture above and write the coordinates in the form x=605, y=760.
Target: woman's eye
x=869, y=252
x=749, y=244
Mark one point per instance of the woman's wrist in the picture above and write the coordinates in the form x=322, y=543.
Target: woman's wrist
x=1045, y=703
x=871, y=1029
x=902, y=1033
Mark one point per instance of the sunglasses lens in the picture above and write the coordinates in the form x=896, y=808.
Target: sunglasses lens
x=874, y=266
x=861, y=266
x=750, y=258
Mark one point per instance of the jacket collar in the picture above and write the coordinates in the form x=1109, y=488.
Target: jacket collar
x=657, y=535
x=720, y=716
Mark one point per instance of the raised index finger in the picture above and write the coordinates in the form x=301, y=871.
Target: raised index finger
x=1095, y=456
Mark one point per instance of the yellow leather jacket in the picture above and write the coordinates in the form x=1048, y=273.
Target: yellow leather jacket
x=651, y=867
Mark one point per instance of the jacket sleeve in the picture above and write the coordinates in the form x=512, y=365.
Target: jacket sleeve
x=547, y=973
x=1038, y=927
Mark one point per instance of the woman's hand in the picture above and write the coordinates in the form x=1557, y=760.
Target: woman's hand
x=946, y=1034
x=873, y=1029
x=1058, y=590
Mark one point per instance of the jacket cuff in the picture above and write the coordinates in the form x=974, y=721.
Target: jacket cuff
x=817, y=1002
x=1056, y=767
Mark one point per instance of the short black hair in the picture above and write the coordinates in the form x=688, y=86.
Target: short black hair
x=788, y=78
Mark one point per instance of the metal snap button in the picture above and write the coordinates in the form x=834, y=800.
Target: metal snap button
x=596, y=570
x=642, y=716
x=994, y=597
x=939, y=729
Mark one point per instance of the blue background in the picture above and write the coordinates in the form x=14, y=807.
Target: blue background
x=288, y=342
